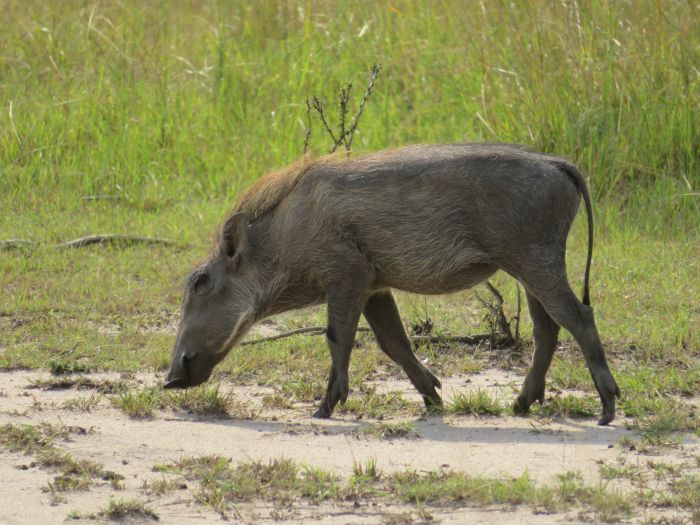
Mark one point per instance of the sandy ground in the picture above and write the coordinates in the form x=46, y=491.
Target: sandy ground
x=479, y=446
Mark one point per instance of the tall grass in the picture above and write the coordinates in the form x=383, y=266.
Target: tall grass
x=167, y=100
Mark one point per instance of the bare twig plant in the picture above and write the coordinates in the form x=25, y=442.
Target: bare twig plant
x=344, y=134
x=500, y=330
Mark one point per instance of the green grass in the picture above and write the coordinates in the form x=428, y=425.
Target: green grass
x=569, y=406
x=158, y=104
x=221, y=484
x=663, y=427
x=121, y=509
x=83, y=404
x=163, y=485
x=476, y=402
x=375, y=405
x=39, y=441
x=391, y=430
x=204, y=400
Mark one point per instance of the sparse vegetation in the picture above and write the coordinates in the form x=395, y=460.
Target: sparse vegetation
x=569, y=405
x=79, y=382
x=373, y=404
x=391, y=430
x=476, y=402
x=160, y=486
x=120, y=509
x=204, y=400
x=662, y=427
x=276, y=401
x=84, y=404
x=282, y=480
x=39, y=442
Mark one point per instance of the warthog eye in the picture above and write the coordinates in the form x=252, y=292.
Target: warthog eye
x=201, y=283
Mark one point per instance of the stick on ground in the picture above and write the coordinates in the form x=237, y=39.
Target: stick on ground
x=111, y=238
x=321, y=330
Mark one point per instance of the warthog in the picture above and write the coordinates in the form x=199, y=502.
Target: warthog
x=427, y=219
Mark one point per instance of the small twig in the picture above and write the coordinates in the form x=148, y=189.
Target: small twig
x=309, y=330
x=112, y=239
x=307, y=136
x=318, y=106
x=343, y=112
x=501, y=319
x=376, y=68
x=321, y=330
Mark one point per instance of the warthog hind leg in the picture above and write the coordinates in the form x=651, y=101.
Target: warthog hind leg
x=564, y=307
x=384, y=319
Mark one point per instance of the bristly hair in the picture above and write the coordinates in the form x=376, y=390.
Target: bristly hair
x=270, y=189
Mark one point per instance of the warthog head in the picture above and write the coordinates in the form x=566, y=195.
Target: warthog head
x=218, y=309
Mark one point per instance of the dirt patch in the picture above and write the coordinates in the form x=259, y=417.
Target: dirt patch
x=479, y=446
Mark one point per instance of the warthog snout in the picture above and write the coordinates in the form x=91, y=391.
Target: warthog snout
x=175, y=382
x=189, y=370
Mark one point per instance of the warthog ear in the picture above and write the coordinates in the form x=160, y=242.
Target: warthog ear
x=234, y=234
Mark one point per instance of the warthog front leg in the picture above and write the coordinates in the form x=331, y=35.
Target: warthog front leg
x=343, y=316
x=384, y=319
x=545, y=331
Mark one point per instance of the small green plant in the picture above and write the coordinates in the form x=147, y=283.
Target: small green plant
x=477, y=402
x=662, y=428
x=620, y=470
x=685, y=491
x=40, y=441
x=220, y=483
x=24, y=438
x=607, y=505
x=398, y=430
x=163, y=485
x=83, y=404
x=568, y=406
x=368, y=471
x=139, y=404
x=59, y=367
x=120, y=509
x=303, y=389
x=204, y=400
x=375, y=405
x=277, y=401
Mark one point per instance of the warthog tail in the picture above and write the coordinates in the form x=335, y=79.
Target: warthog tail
x=575, y=174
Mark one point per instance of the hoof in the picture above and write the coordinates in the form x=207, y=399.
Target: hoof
x=322, y=413
x=606, y=418
x=433, y=406
x=521, y=406
x=432, y=402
